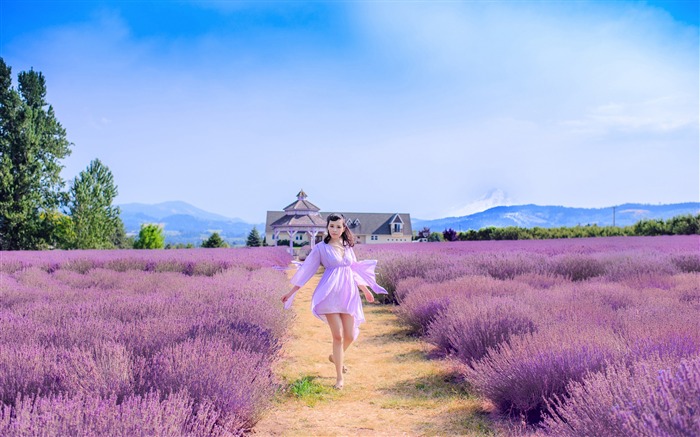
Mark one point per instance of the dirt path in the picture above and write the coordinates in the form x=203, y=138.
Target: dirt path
x=391, y=388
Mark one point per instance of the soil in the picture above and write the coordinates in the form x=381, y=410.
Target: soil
x=392, y=388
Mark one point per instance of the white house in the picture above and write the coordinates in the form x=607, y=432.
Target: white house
x=303, y=222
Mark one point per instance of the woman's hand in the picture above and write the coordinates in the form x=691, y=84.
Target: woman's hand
x=369, y=296
x=287, y=296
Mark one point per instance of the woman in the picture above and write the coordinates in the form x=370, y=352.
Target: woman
x=336, y=300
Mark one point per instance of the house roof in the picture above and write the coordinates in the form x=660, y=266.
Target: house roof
x=276, y=219
x=301, y=205
x=370, y=223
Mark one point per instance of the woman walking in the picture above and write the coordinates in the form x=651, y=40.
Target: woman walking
x=336, y=300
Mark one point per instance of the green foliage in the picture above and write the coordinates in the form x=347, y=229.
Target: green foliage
x=96, y=222
x=285, y=243
x=120, y=240
x=309, y=391
x=435, y=237
x=151, y=236
x=214, y=241
x=680, y=225
x=32, y=143
x=63, y=235
x=253, y=238
x=179, y=246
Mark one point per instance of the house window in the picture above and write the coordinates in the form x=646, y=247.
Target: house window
x=374, y=237
x=299, y=237
x=397, y=227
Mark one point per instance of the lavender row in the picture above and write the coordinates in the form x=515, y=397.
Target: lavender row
x=143, y=352
x=544, y=333
x=626, y=258
x=201, y=262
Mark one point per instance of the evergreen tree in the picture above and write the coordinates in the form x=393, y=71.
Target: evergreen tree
x=32, y=142
x=96, y=222
x=254, y=238
x=214, y=241
x=150, y=237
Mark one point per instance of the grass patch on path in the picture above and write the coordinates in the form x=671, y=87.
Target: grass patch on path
x=310, y=391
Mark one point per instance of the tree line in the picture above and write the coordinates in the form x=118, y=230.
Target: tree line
x=37, y=211
x=679, y=225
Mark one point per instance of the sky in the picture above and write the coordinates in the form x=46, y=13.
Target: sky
x=433, y=108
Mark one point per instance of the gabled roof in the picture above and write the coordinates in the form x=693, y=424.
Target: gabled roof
x=370, y=223
x=396, y=219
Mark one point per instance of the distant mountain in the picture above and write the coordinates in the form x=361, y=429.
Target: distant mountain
x=184, y=223
x=165, y=209
x=528, y=216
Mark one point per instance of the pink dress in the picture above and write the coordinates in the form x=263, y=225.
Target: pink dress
x=337, y=290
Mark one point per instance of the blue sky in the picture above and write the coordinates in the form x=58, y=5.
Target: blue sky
x=432, y=108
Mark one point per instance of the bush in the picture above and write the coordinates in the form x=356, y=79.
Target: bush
x=150, y=237
x=653, y=397
x=469, y=327
x=519, y=375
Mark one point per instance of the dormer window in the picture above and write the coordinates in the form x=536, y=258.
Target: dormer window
x=396, y=224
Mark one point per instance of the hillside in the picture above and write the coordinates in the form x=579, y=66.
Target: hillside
x=528, y=216
x=184, y=223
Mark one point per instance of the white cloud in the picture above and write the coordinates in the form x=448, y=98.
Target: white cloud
x=493, y=198
x=660, y=115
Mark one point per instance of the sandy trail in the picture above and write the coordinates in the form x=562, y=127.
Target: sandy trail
x=391, y=388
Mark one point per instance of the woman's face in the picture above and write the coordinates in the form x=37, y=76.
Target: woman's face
x=336, y=228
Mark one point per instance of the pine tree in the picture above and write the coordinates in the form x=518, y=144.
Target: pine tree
x=32, y=142
x=214, y=241
x=254, y=238
x=96, y=222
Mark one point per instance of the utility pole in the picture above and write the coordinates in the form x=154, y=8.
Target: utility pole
x=614, y=216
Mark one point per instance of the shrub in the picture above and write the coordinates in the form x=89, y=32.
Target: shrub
x=577, y=267
x=151, y=236
x=238, y=383
x=653, y=397
x=519, y=375
x=469, y=327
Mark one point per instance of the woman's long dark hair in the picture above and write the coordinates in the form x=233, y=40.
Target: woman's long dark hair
x=346, y=236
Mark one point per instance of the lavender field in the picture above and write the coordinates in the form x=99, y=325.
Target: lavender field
x=125, y=343
x=592, y=337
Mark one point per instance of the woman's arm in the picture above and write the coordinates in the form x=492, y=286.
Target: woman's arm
x=305, y=272
x=368, y=295
x=308, y=268
x=286, y=297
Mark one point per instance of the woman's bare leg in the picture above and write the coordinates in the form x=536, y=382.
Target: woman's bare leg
x=348, y=330
x=336, y=325
x=348, y=323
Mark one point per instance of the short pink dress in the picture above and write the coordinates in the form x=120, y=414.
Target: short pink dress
x=337, y=290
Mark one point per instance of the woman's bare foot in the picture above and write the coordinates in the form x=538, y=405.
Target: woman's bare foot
x=338, y=385
x=345, y=369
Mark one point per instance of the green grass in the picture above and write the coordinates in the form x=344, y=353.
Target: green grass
x=308, y=390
